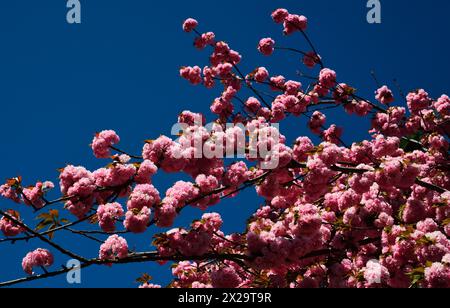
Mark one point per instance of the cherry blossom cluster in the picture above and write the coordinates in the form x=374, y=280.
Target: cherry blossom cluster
x=374, y=213
x=38, y=257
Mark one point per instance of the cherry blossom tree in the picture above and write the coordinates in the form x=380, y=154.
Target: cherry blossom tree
x=375, y=213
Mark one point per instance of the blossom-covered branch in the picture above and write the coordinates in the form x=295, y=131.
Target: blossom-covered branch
x=374, y=213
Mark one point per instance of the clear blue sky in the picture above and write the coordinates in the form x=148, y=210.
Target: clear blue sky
x=61, y=83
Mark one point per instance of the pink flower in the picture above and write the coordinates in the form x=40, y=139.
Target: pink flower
x=375, y=274
x=279, y=15
x=191, y=118
x=277, y=83
x=225, y=278
x=437, y=276
x=261, y=74
x=253, y=105
x=316, y=122
x=189, y=25
x=294, y=23
x=208, y=77
x=114, y=176
x=192, y=74
x=6, y=191
x=414, y=211
x=211, y=222
x=206, y=184
x=303, y=147
x=383, y=146
x=426, y=226
x=236, y=174
x=108, y=214
x=332, y=134
x=145, y=172
x=384, y=95
x=183, y=191
x=149, y=286
x=418, y=101
x=114, y=247
x=137, y=221
x=327, y=78
x=33, y=195
x=204, y=40
x=8, y=227
x=76, y=181
x=102, y=143
x=311, y=59
x=166, y=213
x=266, y=46
x=143, y=195
x=39, y=257
x=292, y=87
x=442, y=105
x=438, y=143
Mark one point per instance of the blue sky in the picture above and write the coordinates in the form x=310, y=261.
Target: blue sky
x=61, y=83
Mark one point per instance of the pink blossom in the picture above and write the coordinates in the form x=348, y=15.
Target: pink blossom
x=8, y=227
x=114, y=176
x=166, y=213
x=33, y=195
x=384, y=95
x=294, y=23
x=208, y=77
x=192, y=74
x=327, y=78
x=137, y=221
x=165, y=153
x=189, y=25
x=191, y=118
x=143, y=195
x=253, y=105
x=102, y=143
x=181, y=193
x=236, y=174
x=310, y=59
x=76, y=181
x=418, y=101
x=437, y=276
x=303, y=147
x=266, y=46
x=442, y=105
x=261, y=74
x=279, y=15
x=332, y=134
x=225, y=278
x=39, y=257
x=206, y=184
x=375, y=274
x=149, y=286
x=6, y=191
x=108, y=214
x=211, y=222
x=292, y=87
x=383, y=146
x=145, y=172
x=316, y=122
x=428, y=225
x=204, y=40
x=114, y=247
x=277, y=83
x=438, y=143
